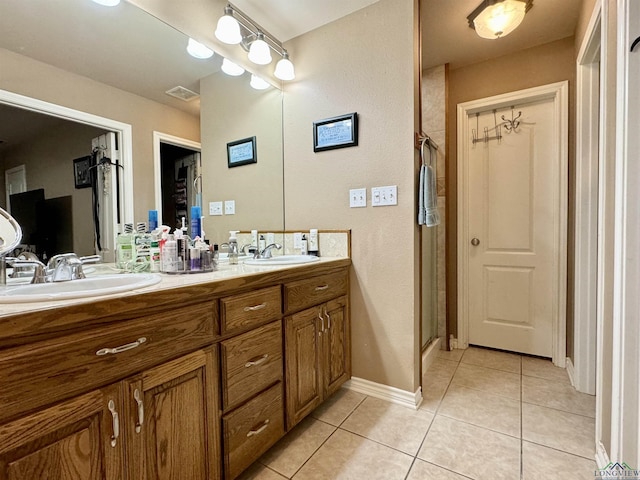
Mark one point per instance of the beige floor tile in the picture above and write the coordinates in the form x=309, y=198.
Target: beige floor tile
x=433, y=390
x=392, y=425
x=473, y=451
x=542, y=463
x=422, y=470
x=452, y=355
x=292, y=451
x=498, y=382
x=260, y=472
x=560, y=430
x=509, y=362
x=337, y=408
x=543, y=368
x=557, y=395
x=441, y=367
x=346, y=456
x=483, y=409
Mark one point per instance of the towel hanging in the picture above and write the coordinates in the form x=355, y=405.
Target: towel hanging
x=428, y=213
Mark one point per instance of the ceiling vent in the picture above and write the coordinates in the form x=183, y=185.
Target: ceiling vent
x=182, y=93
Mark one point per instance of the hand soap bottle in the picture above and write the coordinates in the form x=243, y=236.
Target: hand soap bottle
x=233, y=247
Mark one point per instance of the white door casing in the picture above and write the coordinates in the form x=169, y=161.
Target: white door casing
x=15, y=181
x=512, y=198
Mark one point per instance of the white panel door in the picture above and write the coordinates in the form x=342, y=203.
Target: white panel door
x=15, y=181
x=513, y=220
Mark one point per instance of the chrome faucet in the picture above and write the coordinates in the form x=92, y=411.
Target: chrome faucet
x=39, y=271
x=266, y=252
x=67, y=266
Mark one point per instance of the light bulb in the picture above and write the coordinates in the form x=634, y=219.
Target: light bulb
x=107, y=3
x=228, y=28
x=284, y=68
x=198, y=50
x=258, y=83
x=500, y=19
x=259, y=51
x=231, y=68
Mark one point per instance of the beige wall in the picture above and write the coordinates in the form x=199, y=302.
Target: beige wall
x=48, y=160
x=362, y=63
x=545, y=64
x=27, y=77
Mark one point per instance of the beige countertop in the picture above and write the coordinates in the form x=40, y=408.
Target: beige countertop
x=168, y=282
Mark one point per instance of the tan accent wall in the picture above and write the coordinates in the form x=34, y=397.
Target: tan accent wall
x=542, y=65
x=35, y=79
x=362, y=63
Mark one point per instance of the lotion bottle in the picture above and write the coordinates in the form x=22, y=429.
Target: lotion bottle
x=233, y=247
x=303, y=245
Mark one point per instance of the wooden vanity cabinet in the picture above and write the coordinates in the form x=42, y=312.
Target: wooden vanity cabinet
x=317, y=342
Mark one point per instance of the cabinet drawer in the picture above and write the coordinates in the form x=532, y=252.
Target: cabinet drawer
x=250, y=363
x=312, y=291
x=44, y=372
x=250, y=430
x=248, y=309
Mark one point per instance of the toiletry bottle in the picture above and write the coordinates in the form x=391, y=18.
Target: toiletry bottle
x=194, y=259
x=261, y=244
x=154, y=254
x=303, y=245
x=313, y=242
x=233, y=247
x=254, y=238
x=170, y=255
x=153, y=220
x=125, y=247
x=196, y=222
x=216, y=256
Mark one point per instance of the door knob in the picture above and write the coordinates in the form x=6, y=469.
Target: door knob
x=475, y=242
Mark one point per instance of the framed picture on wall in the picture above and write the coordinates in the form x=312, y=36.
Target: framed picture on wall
x=81, y=171
x=336, y=132
x=242, y=152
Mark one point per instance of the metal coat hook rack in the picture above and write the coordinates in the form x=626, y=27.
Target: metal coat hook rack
x=497, y=128
x=513, y=124
x=635, y=43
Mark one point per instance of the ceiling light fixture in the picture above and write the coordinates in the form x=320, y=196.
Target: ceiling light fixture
x=235, y=27
x=198, y=50
x=498, y=18
x=231, y=68
x=107, y=3
x=258, y=83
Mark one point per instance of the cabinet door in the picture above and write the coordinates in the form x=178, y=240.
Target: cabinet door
x=172, y=420
x=79, y=439
x=303, y=340
x=336, y=345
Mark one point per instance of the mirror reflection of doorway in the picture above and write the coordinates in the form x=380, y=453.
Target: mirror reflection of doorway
x=180, y=183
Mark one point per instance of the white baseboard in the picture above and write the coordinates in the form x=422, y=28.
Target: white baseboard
x=385, y=392
x=602, y=457
x=430, y=354
x=570, y=371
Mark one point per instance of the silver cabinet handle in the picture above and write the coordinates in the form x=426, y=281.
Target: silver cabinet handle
x=122, y=348
x=116, y=423
x=255, y=307
x=322, y=287
x=328, y=319
x=322, y=320
x=251, y=433
x=138, y=399
x=475, y=242
x=253, y=363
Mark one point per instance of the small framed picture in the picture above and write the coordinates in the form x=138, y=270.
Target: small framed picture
x=82, y=171
x=336, y=132
x=242, y=152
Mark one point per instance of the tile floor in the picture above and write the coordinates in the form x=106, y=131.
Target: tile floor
x=485, y=415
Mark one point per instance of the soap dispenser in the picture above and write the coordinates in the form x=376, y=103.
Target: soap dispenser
x=233, y=247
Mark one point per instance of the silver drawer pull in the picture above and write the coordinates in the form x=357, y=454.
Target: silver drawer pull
x=322, y=287
x=138, y=399
x=122, y=348
x=116, y=423
x=253, y=363
x=255, y=307
x=328, y=319
x=251, y=433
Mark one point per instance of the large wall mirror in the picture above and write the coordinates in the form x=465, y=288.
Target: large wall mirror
x=127, y=48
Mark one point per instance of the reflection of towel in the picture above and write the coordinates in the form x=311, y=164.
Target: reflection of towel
x=428, y=198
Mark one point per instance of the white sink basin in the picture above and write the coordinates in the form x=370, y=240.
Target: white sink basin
x=87, y=287
x=282, y=260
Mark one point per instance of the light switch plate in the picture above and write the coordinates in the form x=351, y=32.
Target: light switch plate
x=297, y=240
x=229, y=207
x=384, y=196
x=215, y=208
x=358, y=197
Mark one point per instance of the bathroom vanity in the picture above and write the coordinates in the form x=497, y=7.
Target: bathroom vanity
x=193, y=378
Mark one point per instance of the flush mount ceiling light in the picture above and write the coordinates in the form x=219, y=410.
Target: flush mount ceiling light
x=258, y=83
x=198, y=50
x=231, y=68
x=234, y=27
x=107, y=3
x=498, y=18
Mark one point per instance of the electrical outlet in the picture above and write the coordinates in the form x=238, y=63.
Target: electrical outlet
x=358, y=197
x=215, y=208
x=383, y=196
x=229, y=207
